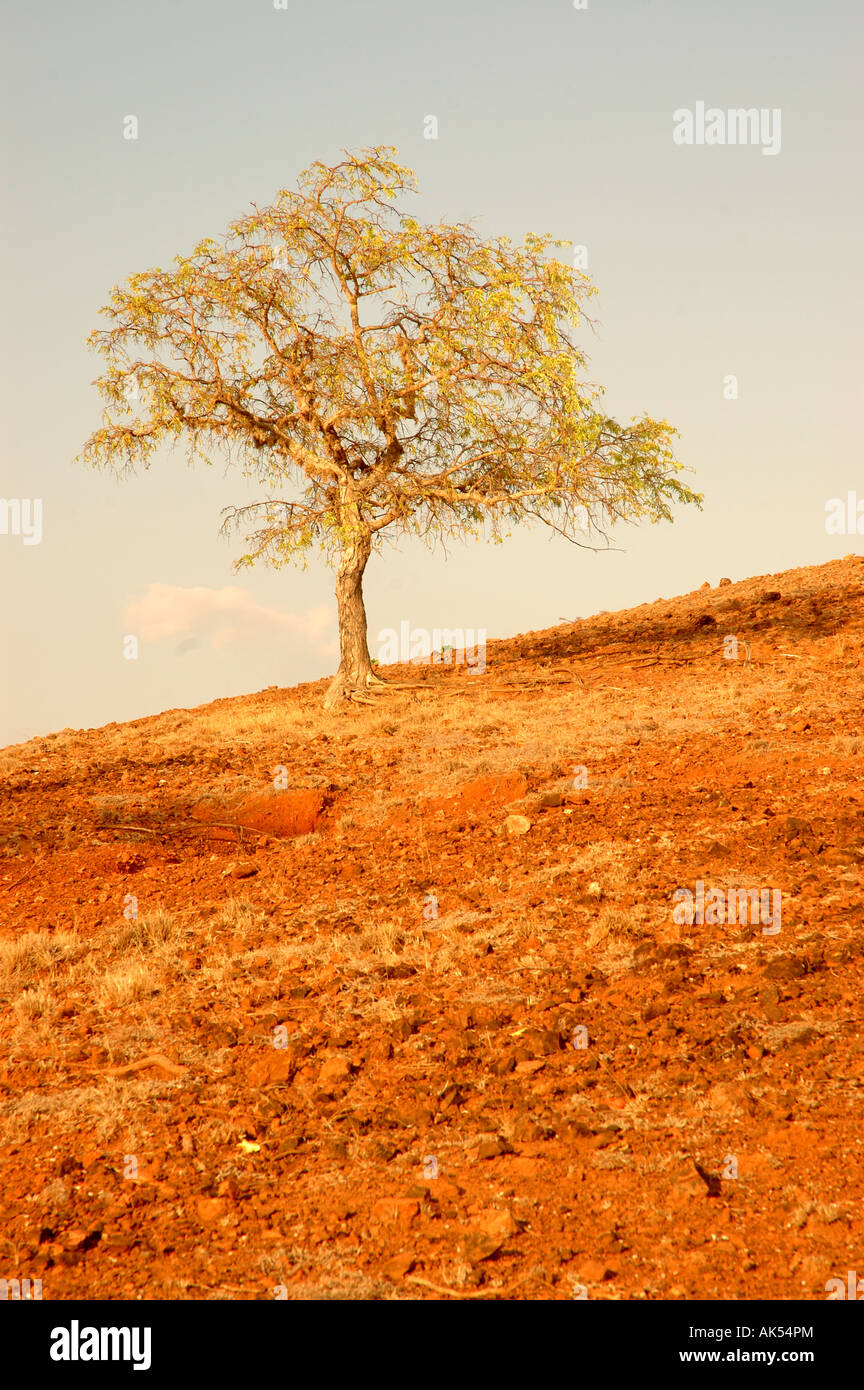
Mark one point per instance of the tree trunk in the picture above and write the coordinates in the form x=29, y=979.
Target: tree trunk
x=355, y=672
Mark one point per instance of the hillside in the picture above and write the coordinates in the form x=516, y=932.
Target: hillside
x=364, y=1039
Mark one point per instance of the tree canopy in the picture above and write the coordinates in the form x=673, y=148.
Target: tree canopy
x=375, y=374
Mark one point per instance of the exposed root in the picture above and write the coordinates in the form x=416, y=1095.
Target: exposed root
x=364, y=692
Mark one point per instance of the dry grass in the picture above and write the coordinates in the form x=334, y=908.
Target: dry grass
x=102, y=1109
x=112, y=809
x=604, y=863
x=157, y=933
x=24, y=957
x=239, y=914
x=613, y=928
x=125, y=983
x=35, y=1004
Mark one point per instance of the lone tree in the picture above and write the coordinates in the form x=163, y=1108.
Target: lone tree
x=374, y=374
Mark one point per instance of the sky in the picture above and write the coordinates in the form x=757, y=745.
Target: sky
x=729, y=301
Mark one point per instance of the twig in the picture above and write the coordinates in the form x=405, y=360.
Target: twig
x=218, y=825
x=460, y=1293
x=141, y=829
x=630, y=1095
x=183, y=827
x=221, y=1288
x=154, y=1059
x=33, y=866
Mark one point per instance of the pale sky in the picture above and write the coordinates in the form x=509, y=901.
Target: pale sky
x=711, y=260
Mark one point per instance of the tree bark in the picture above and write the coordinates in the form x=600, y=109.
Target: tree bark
x=355, y=672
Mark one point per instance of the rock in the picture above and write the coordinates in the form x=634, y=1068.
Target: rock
x=442, y=1190
x=688, y=1183
x=594, y=1272
x=785, y=968
x=210, y=1209
x=383, y=1150
x=399, y=1266
x=517, y=825
x=279, y=1065
x=604, y=1138
x=241, y=870
x=526, y=1130
x=594, y=890
x=552, y=799
x=655, y=1008
x=541, y=1042
x=491, y=1148
x=399, y=1211
x=56, y=1194
x=725, y=1097
x=495, y=1222
x=477, y=1247
x=529, y=1065
x=723, y=582
x=335, y=1072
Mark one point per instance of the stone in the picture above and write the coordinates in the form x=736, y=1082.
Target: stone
x=443, y=1190
x=594, y=1272
x=335, y=1072
x=491, y=1148
x=277, y=1066
x=526, y=1130
x=398, y=1211
x=495, y=1221
x=210, y=1209
x=479, y=1247
x=399, y=1266
x=517, y=825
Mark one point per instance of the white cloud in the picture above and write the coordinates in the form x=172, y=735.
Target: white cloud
x=227, y=617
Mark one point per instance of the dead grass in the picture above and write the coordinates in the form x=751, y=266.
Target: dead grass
x=606, y=864
x=35, y=1004
x=157, y=933
x=238, y=914
x=125, y=983
x=613, y=929
x=102, y=1109
x=24, y=957
x=112, y=809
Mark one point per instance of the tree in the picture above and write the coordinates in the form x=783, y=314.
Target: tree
x=374, y=374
